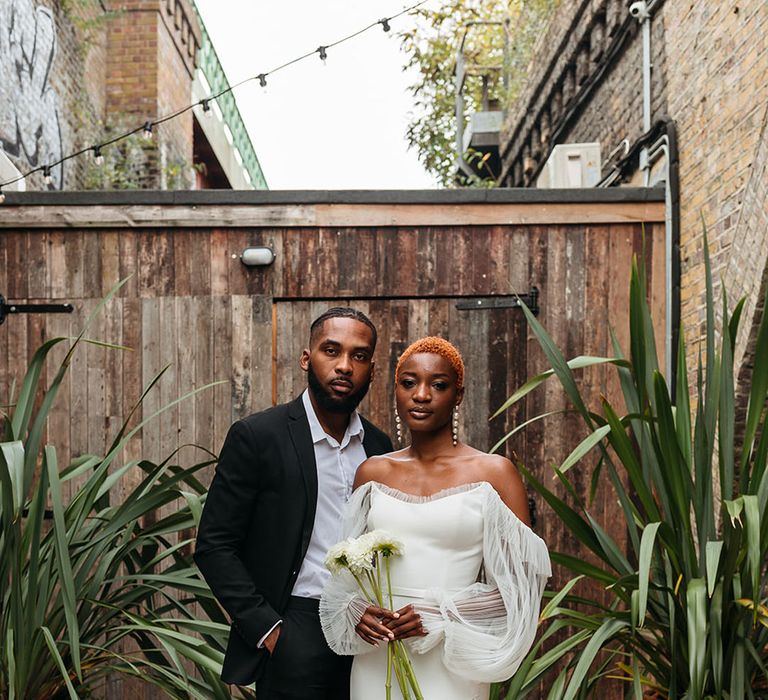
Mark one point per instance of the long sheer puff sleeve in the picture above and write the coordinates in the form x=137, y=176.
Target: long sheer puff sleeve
x=341, y=604
x=488, y=628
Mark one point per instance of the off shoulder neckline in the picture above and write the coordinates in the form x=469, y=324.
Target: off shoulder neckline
x=438, y=495
x=486, y=486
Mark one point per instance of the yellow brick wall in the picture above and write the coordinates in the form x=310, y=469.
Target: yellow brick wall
x=717, y=92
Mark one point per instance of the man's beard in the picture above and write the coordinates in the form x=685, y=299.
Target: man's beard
x=332, y=404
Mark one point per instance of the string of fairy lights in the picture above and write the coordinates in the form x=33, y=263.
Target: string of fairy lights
x=148, y=126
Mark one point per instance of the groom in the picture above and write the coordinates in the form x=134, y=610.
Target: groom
x=275, y=507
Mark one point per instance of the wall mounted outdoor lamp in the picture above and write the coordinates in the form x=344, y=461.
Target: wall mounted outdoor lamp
x=257, y=256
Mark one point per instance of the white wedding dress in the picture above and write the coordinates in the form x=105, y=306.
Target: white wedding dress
x=473, y=570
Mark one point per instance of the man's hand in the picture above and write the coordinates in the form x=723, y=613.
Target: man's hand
x=407, y=624
x=271, y=639
x=370, y=627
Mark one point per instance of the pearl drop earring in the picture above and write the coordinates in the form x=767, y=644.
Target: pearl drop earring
x=455, y=431
x=398, y=428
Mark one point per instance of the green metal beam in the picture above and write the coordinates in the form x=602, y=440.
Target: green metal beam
x=209, y=64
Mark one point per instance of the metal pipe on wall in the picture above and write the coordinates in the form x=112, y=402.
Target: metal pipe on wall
x=642, y=11
x=660, y=149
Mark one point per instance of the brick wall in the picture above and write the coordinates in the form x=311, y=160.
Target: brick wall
x=718, y=93
x=44, y=100
x=108, y=71
x=173, y=94
x=149, y=73
x=573, y=61
x=710, y=75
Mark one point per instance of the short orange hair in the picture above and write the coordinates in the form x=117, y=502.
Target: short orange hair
x=435, y=346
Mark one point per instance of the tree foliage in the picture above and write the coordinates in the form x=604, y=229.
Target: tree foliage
x=431, y=45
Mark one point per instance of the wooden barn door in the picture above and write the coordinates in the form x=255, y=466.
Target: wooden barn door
x=492, y=341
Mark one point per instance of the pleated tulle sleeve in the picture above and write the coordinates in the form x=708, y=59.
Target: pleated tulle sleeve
x=488, y=628
x=341, y=605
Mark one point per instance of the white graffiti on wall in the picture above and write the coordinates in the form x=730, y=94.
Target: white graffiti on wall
x=30, y=128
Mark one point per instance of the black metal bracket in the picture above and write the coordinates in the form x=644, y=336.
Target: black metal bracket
x=531, y=300
x=7, y=308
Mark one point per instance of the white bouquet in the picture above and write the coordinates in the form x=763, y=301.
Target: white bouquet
x=365, y=557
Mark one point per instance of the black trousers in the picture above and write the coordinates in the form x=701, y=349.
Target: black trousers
x=302, y=667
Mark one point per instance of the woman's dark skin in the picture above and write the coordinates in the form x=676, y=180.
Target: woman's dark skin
x=426, y=394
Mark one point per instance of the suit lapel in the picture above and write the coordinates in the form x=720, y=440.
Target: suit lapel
x=298, y=428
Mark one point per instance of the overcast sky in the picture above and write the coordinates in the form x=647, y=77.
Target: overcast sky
x=334, y=126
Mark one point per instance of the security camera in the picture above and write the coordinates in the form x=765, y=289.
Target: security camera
x=639, y=10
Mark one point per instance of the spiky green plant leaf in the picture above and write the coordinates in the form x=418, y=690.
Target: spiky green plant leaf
x=685, y=617
x=103, y=587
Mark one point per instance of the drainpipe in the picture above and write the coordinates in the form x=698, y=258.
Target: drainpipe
x=641, y=12
x=666, y=147
x=660, y=149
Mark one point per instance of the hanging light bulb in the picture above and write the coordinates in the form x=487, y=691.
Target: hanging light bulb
x=384, y=22
x=263, y=81
x=97, y=157
x=323, y=53
x=147, y=132
x=47, y=179
x=206, y=105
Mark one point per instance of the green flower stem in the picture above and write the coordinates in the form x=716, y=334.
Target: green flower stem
x=402, y=679
x=398, y=659
x=376, y=588
x=408, y=669
x=378, y=570
x=390, y=648
x=367, y=595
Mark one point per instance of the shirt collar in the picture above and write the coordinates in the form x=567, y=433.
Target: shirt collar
x=354, y=428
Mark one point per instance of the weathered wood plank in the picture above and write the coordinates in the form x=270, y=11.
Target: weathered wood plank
x=261, y=355
x=74, y=269
x=219, y=264
x=35, y=265
x=221, y=394
x=187, y=317
x=182, y=278
x=129, y=262
x=205, y=344
x=95, y=385
x=237, y=273
x=242, y=337
x=4, y=254
x=56, y=263
x=169, y=325
x=341, y=215
x=15, y=244
x=151, y=365
x=132, y=378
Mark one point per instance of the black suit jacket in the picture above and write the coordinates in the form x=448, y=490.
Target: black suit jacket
x=257, y=522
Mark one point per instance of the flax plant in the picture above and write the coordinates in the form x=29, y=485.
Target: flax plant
x=91, y=588
x=687, y=615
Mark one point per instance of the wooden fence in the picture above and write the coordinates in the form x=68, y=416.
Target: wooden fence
x=447, y=263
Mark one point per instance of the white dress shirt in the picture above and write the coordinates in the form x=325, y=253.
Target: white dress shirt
x=336, y=466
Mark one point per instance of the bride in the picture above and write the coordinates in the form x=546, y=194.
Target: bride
x=468, y=585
